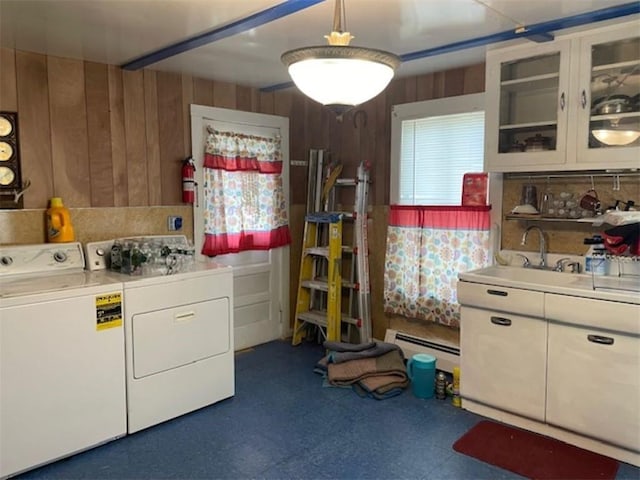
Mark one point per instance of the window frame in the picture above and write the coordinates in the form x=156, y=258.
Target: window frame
x=427, y=108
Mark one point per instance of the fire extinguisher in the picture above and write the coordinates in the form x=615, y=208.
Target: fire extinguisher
x=188, y=181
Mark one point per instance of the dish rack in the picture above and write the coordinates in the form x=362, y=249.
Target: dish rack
x=622, y=273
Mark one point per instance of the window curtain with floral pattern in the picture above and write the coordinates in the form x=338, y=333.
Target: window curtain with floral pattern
x=427, y=246
x=243, y=193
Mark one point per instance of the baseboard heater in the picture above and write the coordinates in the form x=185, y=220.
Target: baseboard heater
x=447, y=356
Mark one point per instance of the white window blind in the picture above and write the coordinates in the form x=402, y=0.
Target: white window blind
x=433, y=144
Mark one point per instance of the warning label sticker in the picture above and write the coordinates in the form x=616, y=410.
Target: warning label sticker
x=108, y=311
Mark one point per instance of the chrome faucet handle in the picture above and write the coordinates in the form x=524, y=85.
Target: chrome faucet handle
x=525, y=261
x=560, y=264
x=575, y=267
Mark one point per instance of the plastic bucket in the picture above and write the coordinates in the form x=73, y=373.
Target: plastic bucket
x=421, y=369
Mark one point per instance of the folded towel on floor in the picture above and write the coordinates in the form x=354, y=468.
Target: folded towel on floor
x=363, y=392
x=377, y=371
x=343, y=352
x=391, y=363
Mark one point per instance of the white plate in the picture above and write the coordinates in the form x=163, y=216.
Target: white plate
x=528, y=209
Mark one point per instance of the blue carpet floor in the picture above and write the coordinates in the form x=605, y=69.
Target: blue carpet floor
x=282, y=424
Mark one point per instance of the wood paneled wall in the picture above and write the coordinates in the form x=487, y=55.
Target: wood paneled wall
x=99, y=136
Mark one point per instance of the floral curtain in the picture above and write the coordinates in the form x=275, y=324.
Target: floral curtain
x=427, y=246
x=244, y=198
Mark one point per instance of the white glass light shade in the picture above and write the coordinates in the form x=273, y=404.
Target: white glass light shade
x=340, y=81
x=340, y=76
x=616, y=137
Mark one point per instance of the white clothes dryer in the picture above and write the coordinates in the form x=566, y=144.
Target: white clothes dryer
x=62, y=379
x=178, y=338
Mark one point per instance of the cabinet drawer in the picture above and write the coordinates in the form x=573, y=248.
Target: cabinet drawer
x=614, y=316
x=504, y=299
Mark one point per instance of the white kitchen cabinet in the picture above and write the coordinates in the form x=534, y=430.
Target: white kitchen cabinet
x=609, y=66
x=503, y=353
x=539, y=99
x=526, y=95
x=593, y=369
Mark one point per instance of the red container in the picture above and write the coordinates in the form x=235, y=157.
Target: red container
x=475, y=189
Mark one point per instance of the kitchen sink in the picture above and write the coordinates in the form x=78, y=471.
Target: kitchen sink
x=529, y=275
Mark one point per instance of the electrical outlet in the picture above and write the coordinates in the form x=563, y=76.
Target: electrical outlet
x=174, y=223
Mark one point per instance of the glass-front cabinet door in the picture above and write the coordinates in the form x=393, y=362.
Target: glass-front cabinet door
x=608, y=124
x=527, y=107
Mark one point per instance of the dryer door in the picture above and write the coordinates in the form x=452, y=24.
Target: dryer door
x=174, y=337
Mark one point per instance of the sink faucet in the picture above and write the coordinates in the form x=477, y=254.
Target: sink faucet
x=543, y=244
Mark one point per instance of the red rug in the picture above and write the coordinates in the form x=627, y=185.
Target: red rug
x=532, y=455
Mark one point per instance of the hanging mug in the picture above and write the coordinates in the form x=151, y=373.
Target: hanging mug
x=590, y=201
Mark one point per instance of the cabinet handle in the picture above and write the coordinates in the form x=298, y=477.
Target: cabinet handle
x=562, y=102
x=583, y=99
x=503, y=322
x=600, y=339
x=500, y=293
x=183, y=317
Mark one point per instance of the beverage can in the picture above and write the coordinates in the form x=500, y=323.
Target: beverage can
x=441, y=386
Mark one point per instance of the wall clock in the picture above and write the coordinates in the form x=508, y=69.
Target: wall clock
x=10, y=174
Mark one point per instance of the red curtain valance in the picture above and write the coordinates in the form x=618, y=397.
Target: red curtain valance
x=238, y=163
x=440, y=216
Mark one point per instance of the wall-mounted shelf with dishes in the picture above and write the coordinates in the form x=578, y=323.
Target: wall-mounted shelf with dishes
x=572, y=197
x=541, y=218
x=615, y=218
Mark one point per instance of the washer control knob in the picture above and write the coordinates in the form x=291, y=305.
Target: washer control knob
x=100, y=252
x=59, y=257
x=6, y=261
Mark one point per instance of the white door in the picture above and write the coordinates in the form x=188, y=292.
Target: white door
x=260, y=278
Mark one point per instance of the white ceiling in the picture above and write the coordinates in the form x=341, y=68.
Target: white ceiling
x=118, y=31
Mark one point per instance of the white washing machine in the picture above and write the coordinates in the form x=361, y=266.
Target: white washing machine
x=62, y=381
x=178, y=338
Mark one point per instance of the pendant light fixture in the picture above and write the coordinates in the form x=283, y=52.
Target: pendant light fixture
x=337, y=75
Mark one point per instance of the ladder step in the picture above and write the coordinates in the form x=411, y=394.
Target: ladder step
x=324, y=217
x=319, y=317
x=318, y=251
x=346, y=182
x=324, y=251
x=314, y=317
x=321, y=285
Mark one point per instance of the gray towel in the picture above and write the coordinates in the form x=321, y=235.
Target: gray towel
x=340, y=352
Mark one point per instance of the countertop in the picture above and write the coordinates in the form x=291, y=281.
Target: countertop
x=624, y=289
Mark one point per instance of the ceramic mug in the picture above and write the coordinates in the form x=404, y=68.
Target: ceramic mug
x=590, y=201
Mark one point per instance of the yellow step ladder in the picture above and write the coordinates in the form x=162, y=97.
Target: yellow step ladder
x=311, y=308
x=325, y=191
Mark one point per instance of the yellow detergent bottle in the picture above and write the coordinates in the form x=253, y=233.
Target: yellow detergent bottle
x=59, y=227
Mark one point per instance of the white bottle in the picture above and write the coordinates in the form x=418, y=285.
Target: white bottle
x=595, y=261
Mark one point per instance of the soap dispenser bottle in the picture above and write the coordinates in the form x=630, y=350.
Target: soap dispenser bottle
x=595, y=261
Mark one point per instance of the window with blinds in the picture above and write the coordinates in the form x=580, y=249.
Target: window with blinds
x=433, y=149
